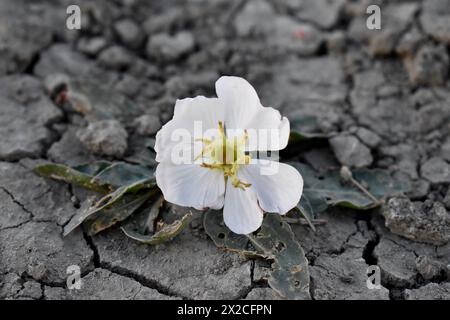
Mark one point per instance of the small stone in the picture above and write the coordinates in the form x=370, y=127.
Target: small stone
x=431, y=291
x=445, y=150
x=350, y=151
x=164, y=47
x=368, y=137
x=419, y=189
x=324, y=13
x=106, y=137
x=396, y=262
x=22, y=39
x=129, y=33
x=396, y=18
x=435, y=19
x=436, y=170
x=447, y=199
x=115, y=57
x=128, y=85
x=410, y=42
x=55, y=83
x=429, y=66
x=431, y=269
x=282, y=34
x=61, y=58
x=31, y=290
x=69, y=150
x=147, y=124
x=10, y=285
x=383, y=43
x=164, y=20
x=336, y=41
x=92, y=46
x=419, y=221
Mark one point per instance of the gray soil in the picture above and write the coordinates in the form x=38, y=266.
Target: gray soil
x=383, y=96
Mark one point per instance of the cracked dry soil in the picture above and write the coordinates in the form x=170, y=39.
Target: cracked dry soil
x=385, y=93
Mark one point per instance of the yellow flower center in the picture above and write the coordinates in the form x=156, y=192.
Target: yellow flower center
x=226, y=154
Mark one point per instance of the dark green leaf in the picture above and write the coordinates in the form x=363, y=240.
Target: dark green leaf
x=121, y=174
x=328, y=189
x=119, y=211
x=69, y=175
x=290, y=275
x=305, y=209
x=168, y=232
x=114, y=207
x=93, y=169
x=223, y=237
x=305, y=127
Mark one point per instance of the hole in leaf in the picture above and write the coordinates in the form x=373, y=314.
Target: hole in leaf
x=279, y=246
x=320, y=177
x=297, y=284
x=221, y=235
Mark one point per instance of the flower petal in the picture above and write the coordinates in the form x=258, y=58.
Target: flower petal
x=277, y=192
x=272, y=131
x=191, y=185
x=243, y=110
x=241, y=212
x=200, y=113
x=239, y=99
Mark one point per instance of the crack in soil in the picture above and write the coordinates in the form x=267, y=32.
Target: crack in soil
x=17, y=202
x=142, y=280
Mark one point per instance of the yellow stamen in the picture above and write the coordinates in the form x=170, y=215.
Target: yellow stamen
x=216, y=151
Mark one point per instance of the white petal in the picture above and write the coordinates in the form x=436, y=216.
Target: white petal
x=278, y=192
x=200, y=113
x=191, y=185
x=272, y=131
x=243, y=110
x=241, y=212
x=239, y=99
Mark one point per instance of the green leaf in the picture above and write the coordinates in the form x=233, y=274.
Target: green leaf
x=305, y=209
x=69, y=175
x=121, y=174
x=119, y=211
x=290, y=274
x=328, y=189
x=223, y=237
x=94, y=168
x=305, y=127
x=113, y=207
x=275, y=240
x=111, y=199
x=168, y=232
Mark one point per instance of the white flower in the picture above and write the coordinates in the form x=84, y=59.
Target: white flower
x=220, y=171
